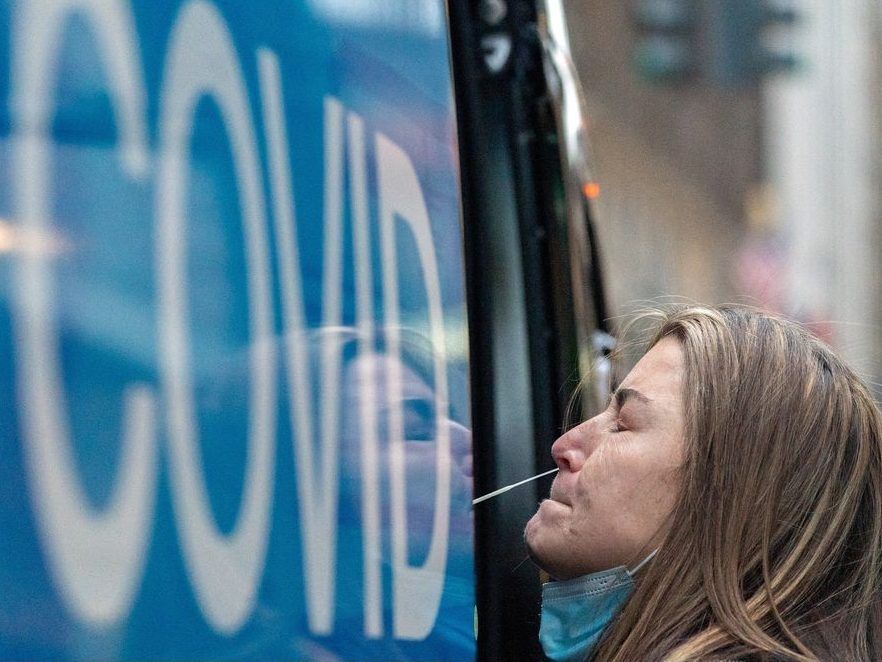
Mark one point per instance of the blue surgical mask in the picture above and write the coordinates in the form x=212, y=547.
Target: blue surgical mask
x=576, y=612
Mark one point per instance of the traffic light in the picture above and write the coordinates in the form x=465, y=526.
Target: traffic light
x=736, y=40
x=665, y=49
x=723, y=42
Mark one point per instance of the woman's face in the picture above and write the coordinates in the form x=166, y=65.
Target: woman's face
x=618, y=476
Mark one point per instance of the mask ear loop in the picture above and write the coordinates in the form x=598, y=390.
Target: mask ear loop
x=643, y=563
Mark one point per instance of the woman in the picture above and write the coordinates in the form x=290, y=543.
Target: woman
x=747, y=457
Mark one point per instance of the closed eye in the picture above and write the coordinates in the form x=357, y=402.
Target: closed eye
x=618, y=427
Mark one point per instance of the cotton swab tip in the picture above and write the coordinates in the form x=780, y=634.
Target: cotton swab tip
x=501, y=490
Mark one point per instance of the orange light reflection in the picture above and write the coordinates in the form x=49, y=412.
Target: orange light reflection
x=591, y=190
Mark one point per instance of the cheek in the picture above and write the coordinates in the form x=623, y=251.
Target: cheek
x=621, y=482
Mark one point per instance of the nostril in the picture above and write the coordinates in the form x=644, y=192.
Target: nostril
x=562, y=463
x=567, y=461
x=562, y=451
x=569, y=449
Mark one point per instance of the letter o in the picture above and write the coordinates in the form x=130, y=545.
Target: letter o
x=225, y=570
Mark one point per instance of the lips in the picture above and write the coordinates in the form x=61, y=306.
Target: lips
x=556, y=493
x=559, y=498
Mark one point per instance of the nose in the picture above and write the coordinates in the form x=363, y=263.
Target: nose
x=571, y=449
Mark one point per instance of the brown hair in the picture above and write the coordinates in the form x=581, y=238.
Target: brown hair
x=774, y=548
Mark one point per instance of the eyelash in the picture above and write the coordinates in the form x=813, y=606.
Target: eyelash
x=618, y=427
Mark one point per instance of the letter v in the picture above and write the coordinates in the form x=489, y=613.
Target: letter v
x=317, y=482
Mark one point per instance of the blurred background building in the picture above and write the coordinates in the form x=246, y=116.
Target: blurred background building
x=755, y=185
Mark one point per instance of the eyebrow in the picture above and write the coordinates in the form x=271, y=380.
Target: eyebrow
x=622, y=395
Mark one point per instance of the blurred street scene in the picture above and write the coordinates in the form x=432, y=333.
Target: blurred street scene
x=738, y=147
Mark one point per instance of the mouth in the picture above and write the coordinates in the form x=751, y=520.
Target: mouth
x=552, y=507
x=556, y=495
x=559, y=499
x=560, y=493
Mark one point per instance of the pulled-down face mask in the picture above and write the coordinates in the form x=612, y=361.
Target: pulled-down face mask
x=576, y=612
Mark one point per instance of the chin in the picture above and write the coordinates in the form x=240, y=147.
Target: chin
x=544, y=563
x=548, y=553
x=530, y=532
x=533, y=540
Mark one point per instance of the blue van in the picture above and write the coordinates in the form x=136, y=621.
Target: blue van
x=283, y=287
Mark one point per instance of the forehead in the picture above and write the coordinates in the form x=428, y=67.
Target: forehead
x=376, y=368
x=659, y=374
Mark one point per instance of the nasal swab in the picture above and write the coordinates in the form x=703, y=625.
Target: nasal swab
x=508, y=487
